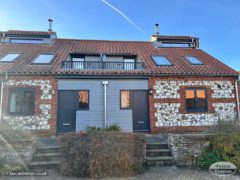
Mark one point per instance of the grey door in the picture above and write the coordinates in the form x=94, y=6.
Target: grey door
x=140, y=110
x=67, y=106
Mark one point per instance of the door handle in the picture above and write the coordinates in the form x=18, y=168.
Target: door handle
x=140, y=122
x=66, y=124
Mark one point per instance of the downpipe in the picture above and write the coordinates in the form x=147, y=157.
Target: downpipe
x=105, y=83
x=237, y=97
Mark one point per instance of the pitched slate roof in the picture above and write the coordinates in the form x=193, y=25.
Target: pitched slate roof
x=144, y=50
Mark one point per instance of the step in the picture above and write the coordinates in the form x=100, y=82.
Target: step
x=47, y=149
x=161, y=163
x=160, y=158
x=46, y=156
x=157, y=146
x=158, y=152
x=44, y=164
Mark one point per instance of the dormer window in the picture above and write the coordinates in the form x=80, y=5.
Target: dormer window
x=43, y=59
x=161, y=61
x=10, y=57
x=193, y=60
x=26, y=41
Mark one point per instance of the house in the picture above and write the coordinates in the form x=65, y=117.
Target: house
x=51, y=85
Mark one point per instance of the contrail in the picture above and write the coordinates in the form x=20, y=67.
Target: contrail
x=124, y=16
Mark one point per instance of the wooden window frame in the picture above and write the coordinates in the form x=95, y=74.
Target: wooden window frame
x=22, y=89
x=195, y=99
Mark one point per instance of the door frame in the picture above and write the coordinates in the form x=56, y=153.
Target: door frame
x=57, y=124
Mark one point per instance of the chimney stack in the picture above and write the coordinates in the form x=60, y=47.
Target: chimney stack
x=50, y=21
x=156, y=29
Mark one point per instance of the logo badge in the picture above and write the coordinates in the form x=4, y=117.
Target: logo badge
x=223, y=168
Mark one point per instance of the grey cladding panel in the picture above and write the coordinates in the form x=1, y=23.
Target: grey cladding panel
x=95, y=116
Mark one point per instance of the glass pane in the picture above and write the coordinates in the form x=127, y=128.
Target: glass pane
x=193, y=60
x=190, y=104
x=129, y=64
x=10, y=57
x=77, y=63
x=28, y=102
x=26, y=41
x=161, y=60
x=201, y=104
x=189, y=94
x=201, y=94
x=125, y=99
x=44, y=58
x=83, y=100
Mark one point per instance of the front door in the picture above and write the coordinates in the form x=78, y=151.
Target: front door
x=67, y=106
x=140, y=110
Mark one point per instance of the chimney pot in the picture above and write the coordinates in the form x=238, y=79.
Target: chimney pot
x=50, y=21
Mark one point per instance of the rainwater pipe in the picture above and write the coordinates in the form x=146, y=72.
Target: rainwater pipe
x=1, y=97
x=237, y=96
x=105, y=83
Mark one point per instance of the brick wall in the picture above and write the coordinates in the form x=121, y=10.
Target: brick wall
x=220, y=92
x=43, y=121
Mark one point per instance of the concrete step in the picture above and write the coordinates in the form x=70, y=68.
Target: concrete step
x=47, y=149
x=44, y=164
x=160, y=161
x=158, y=152
x=157, y=145
x=160, y=158
x=46, y=157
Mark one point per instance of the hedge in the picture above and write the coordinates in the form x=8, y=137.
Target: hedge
x=102, y=154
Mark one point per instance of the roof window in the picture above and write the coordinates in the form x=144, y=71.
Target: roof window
x=10, y=57
x=161, y=61
x=26, y=41
x=44, y=59
x=193, y=60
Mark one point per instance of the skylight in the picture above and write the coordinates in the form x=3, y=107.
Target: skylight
x=161, y=60
x=26, y=41
x=193, y=60
x=44, y=59
x=10, y=57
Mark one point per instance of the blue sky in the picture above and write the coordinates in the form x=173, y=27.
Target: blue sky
x=215, y=22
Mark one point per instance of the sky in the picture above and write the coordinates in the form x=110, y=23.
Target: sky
x=215, y=22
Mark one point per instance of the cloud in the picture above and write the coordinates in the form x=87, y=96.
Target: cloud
x=124, y=16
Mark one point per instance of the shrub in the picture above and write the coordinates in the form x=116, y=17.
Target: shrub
x=207, y=158
x=223, y=146
x=102, y=154
x=228, y=146
x=113, y=127
x=224, y=126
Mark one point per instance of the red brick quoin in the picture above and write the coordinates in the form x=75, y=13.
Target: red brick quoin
x=182, y=110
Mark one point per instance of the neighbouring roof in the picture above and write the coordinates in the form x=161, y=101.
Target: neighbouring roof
x=144, y=50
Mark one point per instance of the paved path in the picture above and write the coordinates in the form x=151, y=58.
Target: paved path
x=155, y=173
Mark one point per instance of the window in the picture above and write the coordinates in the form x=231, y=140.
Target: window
x=178, y=45
x=26, y=41
x=161, y=61
x=84, y=100
x=129, y=64
x=44, y=59
x=21, y=101
x=77, y=61
x=10, y=57
x=125, y=99
x=193, y=60
x=196, y=100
